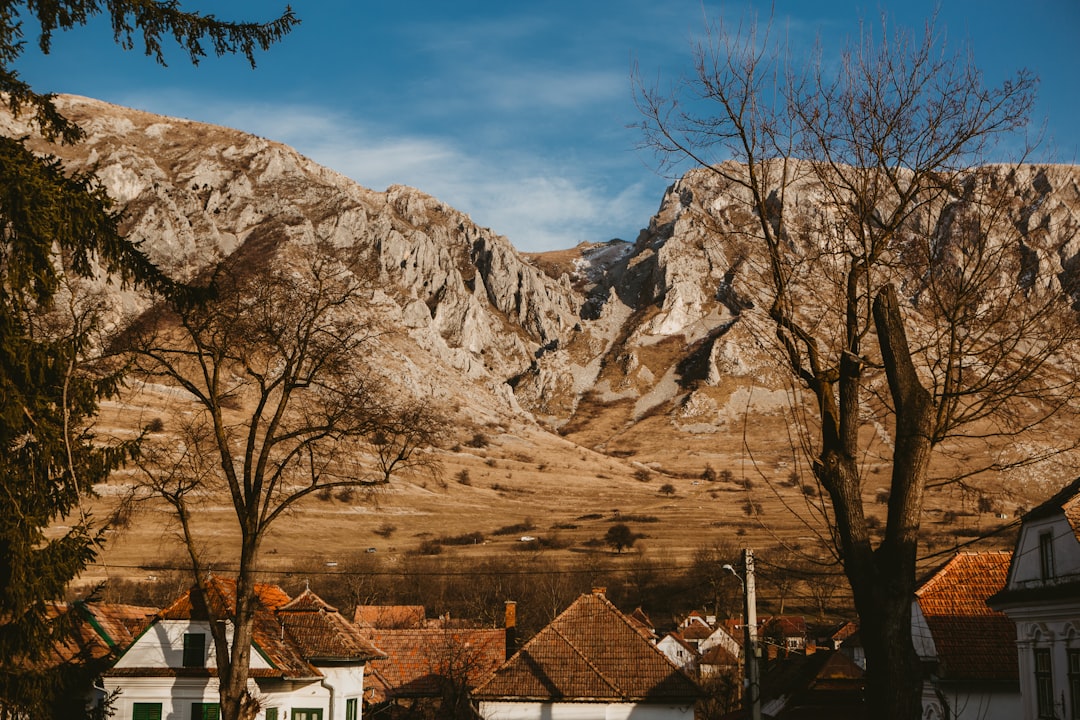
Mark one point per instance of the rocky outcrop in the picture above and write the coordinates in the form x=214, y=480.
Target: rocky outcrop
x=670, y=323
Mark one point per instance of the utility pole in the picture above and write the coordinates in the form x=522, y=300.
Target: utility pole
x=752, y=699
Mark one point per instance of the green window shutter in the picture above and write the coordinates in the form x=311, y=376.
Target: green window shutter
x=146, y=711
x=205, y=711
x=350, y=709
x=194, y=650
x=271, y=714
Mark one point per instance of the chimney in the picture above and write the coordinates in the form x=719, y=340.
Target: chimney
x=511, y=628
x=598, y=590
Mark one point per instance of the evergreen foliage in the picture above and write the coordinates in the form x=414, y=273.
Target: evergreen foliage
x=57, y=228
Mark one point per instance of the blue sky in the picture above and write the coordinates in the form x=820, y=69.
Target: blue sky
x=517, y=113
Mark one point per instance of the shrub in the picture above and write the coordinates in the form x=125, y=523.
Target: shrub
x=727, y=476
x=385, y=530
x=635, y=518
x=473, y=538
x=708, y=474
x=521, y=527
x=643, y=475
x=345, y=494
x=479, y=440
x=155, y=426
x=752, y=507
x=430, y=547
x=667, y=489
x=463, y=477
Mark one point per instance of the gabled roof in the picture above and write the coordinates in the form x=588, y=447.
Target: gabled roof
x=97, y=630
x=292, y=635
x=591, y=652
x=696, y=632
x=681, y=642
x=718, y=656
x=786, y=625
x=974, y=642
x=418, y=660
x=390, y=616
x=643, y=623
x=1066, y=501
x=322, y=633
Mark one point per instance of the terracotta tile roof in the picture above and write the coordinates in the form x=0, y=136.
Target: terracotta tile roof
x=98, y=630
x=390, y=616
x=962, y=585
x=682, y=641
x=643, y=623
x=590, y=652
x=418, y=659
x=696, y=632
x=973, y=641
x=322, y=633
x=785, y=625
x=719, y=656
x=290, y=634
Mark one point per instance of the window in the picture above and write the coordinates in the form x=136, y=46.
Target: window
x=194, y=650
x=1046, y=555
x=1044, y=684
x=1074, y=683
x=307, y=714
x=271, y=713
x=146, y=711
x=205, y=711
x=350, y=709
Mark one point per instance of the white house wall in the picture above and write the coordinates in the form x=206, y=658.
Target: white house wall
x=582, y=711
x=961, y=704
x=162, y=646
x=1026, y=569
x=176, y=696
x=348, y=683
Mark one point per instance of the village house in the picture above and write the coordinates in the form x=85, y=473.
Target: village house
x=431, y=666
x=1042, y=598
x=307, y=661
x=679, y=652
x=967, y=648
x=590, y=663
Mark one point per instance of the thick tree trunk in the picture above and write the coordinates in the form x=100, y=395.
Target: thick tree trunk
x=236, y=702
x=883, y=578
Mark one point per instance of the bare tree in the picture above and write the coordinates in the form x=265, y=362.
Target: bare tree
x=281, y=405
x=900, y=279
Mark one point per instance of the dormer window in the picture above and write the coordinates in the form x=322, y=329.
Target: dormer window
x=194, y=650
x=1046, y=556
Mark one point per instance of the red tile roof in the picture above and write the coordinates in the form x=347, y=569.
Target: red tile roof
x=591, y=652
x=322, y=634
x=98, y=630
x=293, y=635
x=973, y=641
x=718, y=656
x=418, y=659
x=390, y=616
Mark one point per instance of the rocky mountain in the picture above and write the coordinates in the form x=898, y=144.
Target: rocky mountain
x=642, y=350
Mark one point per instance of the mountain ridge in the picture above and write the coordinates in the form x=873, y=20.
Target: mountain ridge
x=624, y=358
